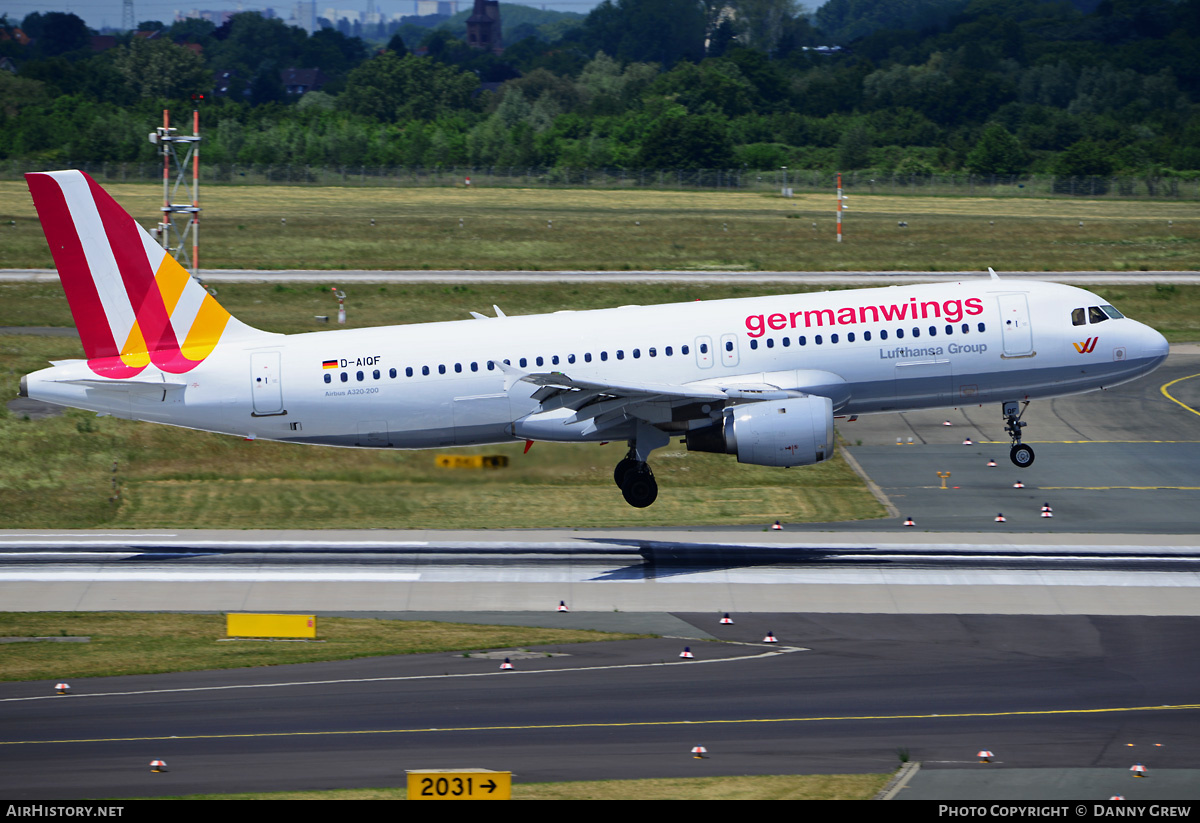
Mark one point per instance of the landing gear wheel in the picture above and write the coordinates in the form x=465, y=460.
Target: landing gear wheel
x=622, y=469
x=639, y=488
x=1021, y=456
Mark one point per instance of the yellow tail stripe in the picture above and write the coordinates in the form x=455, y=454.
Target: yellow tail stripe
x=206, y=330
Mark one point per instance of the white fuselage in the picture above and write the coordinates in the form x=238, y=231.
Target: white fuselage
x=437, y=384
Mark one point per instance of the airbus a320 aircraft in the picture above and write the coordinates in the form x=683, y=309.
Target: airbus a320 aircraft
x=759, y=377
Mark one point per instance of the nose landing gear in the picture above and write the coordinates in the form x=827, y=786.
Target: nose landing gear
x=1020, y=454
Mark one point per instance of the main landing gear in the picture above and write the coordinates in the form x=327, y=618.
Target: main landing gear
x=632, y=475
x=1020, y=454
x=636, y=482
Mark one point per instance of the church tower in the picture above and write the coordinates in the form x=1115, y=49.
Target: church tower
x=483, y=27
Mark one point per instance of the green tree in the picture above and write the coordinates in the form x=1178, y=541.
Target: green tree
x=394, y=89
x=687, y=142
x=156, y=69
x=996, y=152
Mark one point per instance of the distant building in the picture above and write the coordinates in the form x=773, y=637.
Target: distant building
x=483, y=27
x=299, y=81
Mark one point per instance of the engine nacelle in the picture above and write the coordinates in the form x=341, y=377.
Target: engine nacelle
x=793, y=432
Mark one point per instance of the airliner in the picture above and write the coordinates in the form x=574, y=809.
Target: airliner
x=761, y=378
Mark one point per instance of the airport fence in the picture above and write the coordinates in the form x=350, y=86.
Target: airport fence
x=795, y=181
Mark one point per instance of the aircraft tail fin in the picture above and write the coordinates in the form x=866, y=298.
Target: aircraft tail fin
x=133, y=304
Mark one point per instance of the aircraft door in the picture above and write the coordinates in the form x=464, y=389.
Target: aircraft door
x=704, y=352
x=1015, y=329
x=265, y=386
x=729, y=349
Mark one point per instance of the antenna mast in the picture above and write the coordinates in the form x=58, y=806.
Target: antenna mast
x=173, y=239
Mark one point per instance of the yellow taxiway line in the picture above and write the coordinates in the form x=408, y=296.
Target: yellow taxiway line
x=647, y=723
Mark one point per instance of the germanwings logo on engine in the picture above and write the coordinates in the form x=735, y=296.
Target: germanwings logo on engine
x=134, y=304
x=1087, y=346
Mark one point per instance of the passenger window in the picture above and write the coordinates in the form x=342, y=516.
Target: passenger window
x=392, y=373
x=883, y=334
x=666, y=351
x=328, y=378
x=1077, y=318
x=802, y=340
x=1096, y=315
x=540, y=360
x=620, y=354
x=637, y=354
x=833, y=338
x=604, y=356
x=408, y=372
x=899, y=334
x=375, y=374
x=850, y=337
x=753, y=344
x=704, y=348
x=554, y=360
x=683, y=349
x=916, y=332
x=728, y=345
x=817, y=339
x=587, y=358
x=425, y=371
x=458, y=368
x=867, y=336
x=770, y=343
x=981, y=327
x=949, y=329
x=570, y=358
x=653, y=352
x=966, y=328
x=524, y=362
x=474, y=366
x=360, y=376
x=345, y=377
x=441, y=369
x=933, y=331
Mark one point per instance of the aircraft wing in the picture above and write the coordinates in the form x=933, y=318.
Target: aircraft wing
x=605, y=401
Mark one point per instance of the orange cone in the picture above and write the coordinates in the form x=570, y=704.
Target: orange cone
x=991, y=464
x=726, y=620
x=158, y=765
x=770, y=638
x=686, y=654
x=967, y=442
x=778, y=527
x=985, y=756
x=699, y=752
x=1000, y=518
x=1018, y=485
x=507, y=664
x=909, y=522
x=562, y=606
x=62, y=688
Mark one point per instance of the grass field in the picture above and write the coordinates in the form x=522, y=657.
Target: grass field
x=124, y=643
x=329, y=228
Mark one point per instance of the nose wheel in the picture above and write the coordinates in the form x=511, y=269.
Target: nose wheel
x=1020, y=454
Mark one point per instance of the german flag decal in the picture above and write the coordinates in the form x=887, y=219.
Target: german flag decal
x=329, y=364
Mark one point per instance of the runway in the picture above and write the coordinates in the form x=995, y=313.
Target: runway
x=1068, y=645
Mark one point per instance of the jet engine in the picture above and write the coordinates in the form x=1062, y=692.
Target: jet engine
x=793, y=432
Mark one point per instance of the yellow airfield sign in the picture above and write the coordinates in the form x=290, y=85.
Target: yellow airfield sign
x=459, y=784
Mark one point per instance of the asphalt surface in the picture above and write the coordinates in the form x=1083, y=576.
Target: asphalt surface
x=838, y=694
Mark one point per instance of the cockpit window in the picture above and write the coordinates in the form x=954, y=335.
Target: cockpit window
x=1077, y=317
x=1113, y=313
x=1096, y=315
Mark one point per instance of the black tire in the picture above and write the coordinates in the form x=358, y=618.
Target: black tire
x=622, y=469
x=1021, y=456
x=639, y=488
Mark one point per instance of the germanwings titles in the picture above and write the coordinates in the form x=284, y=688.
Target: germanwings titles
x=761, y=378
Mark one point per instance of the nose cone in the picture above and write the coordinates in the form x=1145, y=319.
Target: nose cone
x=1156, y=346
